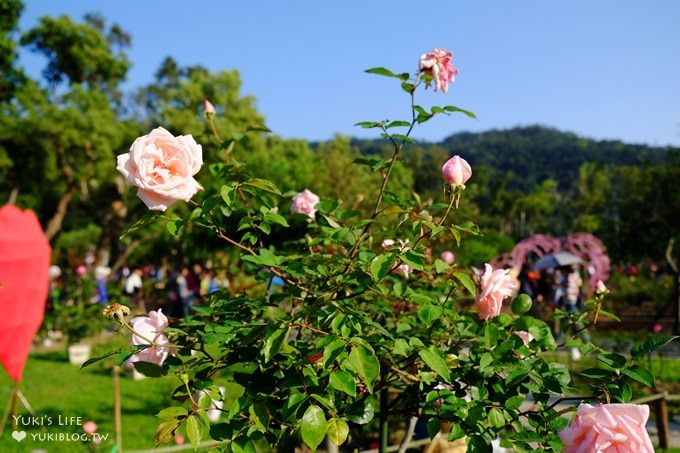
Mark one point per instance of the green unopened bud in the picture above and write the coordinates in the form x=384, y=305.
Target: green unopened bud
x=521, y=304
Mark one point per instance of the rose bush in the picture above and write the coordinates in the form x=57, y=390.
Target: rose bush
x=365, y=331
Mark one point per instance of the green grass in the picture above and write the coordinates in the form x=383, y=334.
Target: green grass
x=56, y=388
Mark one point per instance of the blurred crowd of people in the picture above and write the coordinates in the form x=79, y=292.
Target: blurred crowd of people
x=175, y=290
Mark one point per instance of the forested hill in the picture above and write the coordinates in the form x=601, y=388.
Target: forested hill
x=536, y=153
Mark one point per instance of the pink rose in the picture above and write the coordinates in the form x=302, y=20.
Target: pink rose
x=209, y=108
x=163, y=167
x=151, y=328
x=90, y=427
x=81, y=270
x=404, y=270
x=179, y=439
x=437, y=64
x=608, y=428
x=600, y=288
x=456, y=171
x=496, y=285
x=448, y=257
x=305, y=203
x=525, y=336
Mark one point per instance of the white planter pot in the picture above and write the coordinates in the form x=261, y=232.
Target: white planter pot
x=79, y=353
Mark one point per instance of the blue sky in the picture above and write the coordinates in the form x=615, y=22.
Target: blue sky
x=603, y=69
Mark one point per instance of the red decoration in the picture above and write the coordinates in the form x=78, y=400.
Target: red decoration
x=24, y=262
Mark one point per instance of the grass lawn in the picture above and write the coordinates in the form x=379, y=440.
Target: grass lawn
x=56, y=388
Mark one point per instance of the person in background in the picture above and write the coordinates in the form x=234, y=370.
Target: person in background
x=573, y=292
x=101, y=274
x=133, y=288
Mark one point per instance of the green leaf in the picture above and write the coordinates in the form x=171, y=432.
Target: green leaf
x=264, y=184
x=313, y=427
x=380, y=266
x=429, y=313
x=97, y=359
x=259, y=414
x=343, y=381
x=615, y=361
x=171, y=413
x=496, y=419
x=401, y=347
x=272, y=344
x=194, y=429
x=466, y=281
x=597, y=373
x=274, y=217
x=366, y=365
x=453, y=108
x=440, y=266
x=243, y=444
x=165, y=432
x=387, y=73
x=436, y=362
x=397, y=124
x=337, y=430
x=651, y=345
x=226, y=194
x=149, y=369
x=640, y=374
x=368, y=124
x=514, y=402
x=362, y=412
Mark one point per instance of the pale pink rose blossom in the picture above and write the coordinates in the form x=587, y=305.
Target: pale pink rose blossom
x=151, y=327
x=608, y=428
x=448, y=257
x=404, y=270
x=209, y=108
x=162, y=166
x=525, y=336
x=305, y=203
x=496, y=285
x=456, y=171
x=437, y=64
x=90, y=427
x=600, y=288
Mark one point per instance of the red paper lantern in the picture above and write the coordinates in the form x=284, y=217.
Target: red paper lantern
x=24, y=262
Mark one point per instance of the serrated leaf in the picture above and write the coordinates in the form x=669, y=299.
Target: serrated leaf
x=429, y=313
x=165, y=432
x=313, y=427
x=194, y=429
x=272, y=344
x=436, y=362
x=496, y=419
x=337, y=430
x=597, y=373
x=615, y=361
x=651, y=345
x=401, y=347
x=226, y=192
x=343, y=381
x=466, y=281
x=171, y=413
x=453, y=109
x=366, y=365
x=387, y=73
x=380, y=266
x=263, y=184
x=640, y=374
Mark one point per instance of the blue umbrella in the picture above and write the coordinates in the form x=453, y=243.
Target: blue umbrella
x=557, y=260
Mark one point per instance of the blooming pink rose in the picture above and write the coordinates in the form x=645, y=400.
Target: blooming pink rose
x=90, y=427
x=209, y=108
x=305, y=203
x=525, y=336
x=456, y=171
x=600, y=288
x=496, y=285
x=151, y=328
x=608, y=428
x=437, y=64
x=448, y=257
x=404, y=270
x=163, y=167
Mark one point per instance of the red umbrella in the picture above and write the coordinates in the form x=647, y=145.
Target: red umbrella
x=24, y=261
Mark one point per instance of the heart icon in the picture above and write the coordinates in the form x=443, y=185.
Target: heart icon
x=19, y=435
